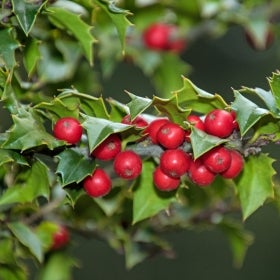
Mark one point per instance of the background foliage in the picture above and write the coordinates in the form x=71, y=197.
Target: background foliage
x=54, y=57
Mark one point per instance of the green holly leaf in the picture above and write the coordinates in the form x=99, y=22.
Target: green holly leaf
x=255, y=186
x=274, y=83
x=137, y=105
x=8, y=45
x=203, y=142
x=99, y=129
x=13, y=272
x=8, y=156
x=239, y=239
x=28, y=187
x=190, y=96
x=31, y=56
x=28, y=132
x=147, y=200
x=266, y=96
x=26, y=13
x=7, y=254
x=118, y=17
x=63, y=18
x=74, y=166
x=170, y=108
x=248, y=113
x=58, y=267
x=27, y=237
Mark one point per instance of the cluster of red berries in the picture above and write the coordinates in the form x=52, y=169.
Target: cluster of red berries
x=174, y=161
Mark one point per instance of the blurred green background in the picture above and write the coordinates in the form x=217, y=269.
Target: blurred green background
x=218, y=65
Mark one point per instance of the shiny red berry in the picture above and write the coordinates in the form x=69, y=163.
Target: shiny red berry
x=236, y=166
x=127, y=164
x=60, y=238
x=219, y=123
x=154, y=127
x=171, y=135
x=164, y=182
x=98, y=184
x=175, y=163
x=68, y=129
x=138, y=121
x=196, y=122
x=109, y=148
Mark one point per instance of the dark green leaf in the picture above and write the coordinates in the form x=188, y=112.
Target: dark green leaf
x=8, y=45
x=30, y=188
x=11, y=156
x=7, y=255
x=74, y=166
x=254, y=185
x=203, y=142
x=26, y=236
x=26, y=13
x=13, y=272
x=147, y=201
x=248, y=113
x=75, y=25
x=29, y=132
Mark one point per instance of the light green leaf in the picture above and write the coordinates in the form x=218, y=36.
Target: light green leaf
x=118, y=17
x=58, y=267
x=255, y=184
x=74, y=166
x=192, y=97
x=13, y=273
x=26, y=13
x=27, y=237
x=274, y=83
x=75, y=25
x=203, y=142
x=147, y=201
x=266, y=96
x=137, y=105
x=29, y=187
x=29, y=132
x=248, y=113
x=8, y=45
x=239, y=239
x=7, y=255
x=99, y=129
x=31, y=56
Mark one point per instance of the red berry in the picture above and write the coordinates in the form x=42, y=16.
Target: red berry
x=108, y=149
x=161, y=36
x=175, y=163
x=200, y=174
x=219, y=123
x=98, y=184
x=68, y=129
x=217, y=160
x=153, y=129
x=138, y=121
x=60, y=238
x=196, y=122
x=127, y=164
x=164, y=182
x=171, y=135
x=236, y=166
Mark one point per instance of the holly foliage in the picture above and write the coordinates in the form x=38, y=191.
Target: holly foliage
x=53, y=57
